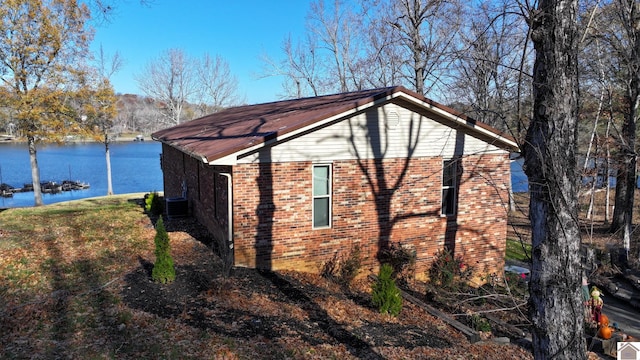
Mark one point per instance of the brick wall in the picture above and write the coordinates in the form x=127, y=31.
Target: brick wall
x=206, y=188
x=374, y=202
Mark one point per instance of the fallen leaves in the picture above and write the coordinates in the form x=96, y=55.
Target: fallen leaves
x=71, y=293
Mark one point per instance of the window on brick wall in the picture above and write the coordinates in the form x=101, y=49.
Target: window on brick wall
x=449, y=187
x=321, y=196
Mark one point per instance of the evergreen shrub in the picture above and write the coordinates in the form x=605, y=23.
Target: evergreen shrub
x=153, y=203
x=385, y=294
x=163, y=269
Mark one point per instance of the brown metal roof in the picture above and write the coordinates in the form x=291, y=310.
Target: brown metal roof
x=226, y=132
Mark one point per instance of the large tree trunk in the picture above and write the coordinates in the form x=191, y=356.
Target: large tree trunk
x=634, y=103
x=35, y=171
x=625, y=185
x=556, y=309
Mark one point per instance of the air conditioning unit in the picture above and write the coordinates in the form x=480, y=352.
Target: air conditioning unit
x=177, y=207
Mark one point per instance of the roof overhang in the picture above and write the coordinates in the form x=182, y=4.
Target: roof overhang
x=232, y=159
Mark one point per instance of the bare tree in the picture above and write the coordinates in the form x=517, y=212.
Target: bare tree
x=556, y=309
x=379, y=43
x=218, y=88
x=97, y=110
x=109, y=65
x=103, y=103
x=169, y=79
x=426, y=32
x=147, y=118
x=488, y=64
x=336, y=29
x=383, y=58
x=595, y=89
x=300, y=68
x=612, y=68
x=328, y=58
x=624, y=41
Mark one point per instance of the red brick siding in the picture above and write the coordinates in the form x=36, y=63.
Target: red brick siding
x=206, y=188
x=272, y=209
x=173, y=171
x=273, y=204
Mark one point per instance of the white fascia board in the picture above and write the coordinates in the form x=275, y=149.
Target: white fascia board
x=232, y=159
x=229, y=160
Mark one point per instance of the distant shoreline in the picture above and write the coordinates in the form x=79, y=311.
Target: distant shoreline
x=4, y=138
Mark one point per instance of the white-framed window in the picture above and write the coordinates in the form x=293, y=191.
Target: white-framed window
x=449, y=187
x=321, y=196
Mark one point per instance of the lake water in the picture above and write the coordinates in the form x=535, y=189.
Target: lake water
x=135, y=167
x=518, y=177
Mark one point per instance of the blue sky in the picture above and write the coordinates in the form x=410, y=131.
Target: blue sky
x=238, y=31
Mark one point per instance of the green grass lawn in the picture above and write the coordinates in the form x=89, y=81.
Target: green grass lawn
x=58, y=264
x=516, y=250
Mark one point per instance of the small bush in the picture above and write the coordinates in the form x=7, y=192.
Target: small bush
x=385, y=294
x=350, y=267
x=479, y=323
x=224, y=249
x=343, y=270
x=153, y=203
x=517, y=286
x=163, y=269
x=449, y=272
x=401, y=259
x=330, y=268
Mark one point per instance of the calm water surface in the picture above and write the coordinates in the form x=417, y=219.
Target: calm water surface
x=135, y=167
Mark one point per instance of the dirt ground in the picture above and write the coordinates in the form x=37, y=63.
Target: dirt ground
x=250, y=315
x=305, y=315
x=305, y=311
x=287, y=309
x=594, y=224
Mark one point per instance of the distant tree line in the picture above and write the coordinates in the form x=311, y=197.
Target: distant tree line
x=134, y=114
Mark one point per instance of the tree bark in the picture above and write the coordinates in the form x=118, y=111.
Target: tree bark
x=35, y=171
x=625, y=186
x=556, y=309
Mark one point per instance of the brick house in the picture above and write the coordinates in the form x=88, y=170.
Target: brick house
x=292, y=183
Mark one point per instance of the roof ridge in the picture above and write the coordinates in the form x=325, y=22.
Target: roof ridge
x=324, y=96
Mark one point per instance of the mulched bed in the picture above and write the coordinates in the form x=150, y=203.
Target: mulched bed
x=282, y=308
